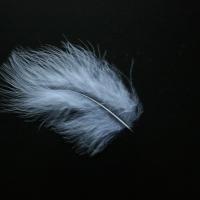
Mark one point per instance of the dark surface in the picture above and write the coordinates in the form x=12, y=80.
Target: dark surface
x=162, y=37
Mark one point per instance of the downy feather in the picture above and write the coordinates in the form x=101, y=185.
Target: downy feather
x=71, y=90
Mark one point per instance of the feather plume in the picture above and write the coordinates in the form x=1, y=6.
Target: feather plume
x=71, y=90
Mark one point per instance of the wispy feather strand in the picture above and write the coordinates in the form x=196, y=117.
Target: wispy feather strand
x=72, y=91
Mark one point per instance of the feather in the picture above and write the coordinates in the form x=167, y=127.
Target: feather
x=72, y=91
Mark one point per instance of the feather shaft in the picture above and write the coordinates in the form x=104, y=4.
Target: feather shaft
x=107, y=109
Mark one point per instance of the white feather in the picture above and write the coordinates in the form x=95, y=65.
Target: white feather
x=71, y=90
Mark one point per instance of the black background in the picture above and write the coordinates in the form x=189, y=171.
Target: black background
x=162, y=36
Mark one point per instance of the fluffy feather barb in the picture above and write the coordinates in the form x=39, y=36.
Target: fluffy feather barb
x=80, y=96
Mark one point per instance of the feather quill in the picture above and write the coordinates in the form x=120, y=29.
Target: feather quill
x=71, y=90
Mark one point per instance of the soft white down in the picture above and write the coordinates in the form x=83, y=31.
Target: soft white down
x=71, y=90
